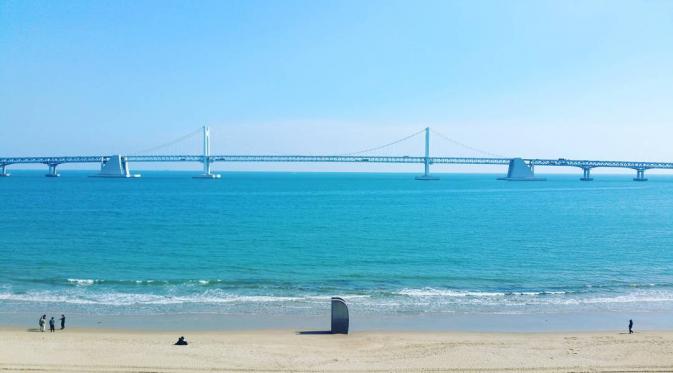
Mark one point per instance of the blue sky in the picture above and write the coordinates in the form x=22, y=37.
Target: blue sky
x=574, y=79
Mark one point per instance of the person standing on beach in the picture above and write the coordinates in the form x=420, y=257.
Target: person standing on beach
x=51, y=324
x=630, y=326
x=62, y=321
x=42, y=322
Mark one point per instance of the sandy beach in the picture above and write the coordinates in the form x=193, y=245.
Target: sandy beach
x=100, y=350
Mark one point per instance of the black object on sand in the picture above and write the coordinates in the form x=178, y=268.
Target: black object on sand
x=339, y=316
x=630, y=326
x=181, y=342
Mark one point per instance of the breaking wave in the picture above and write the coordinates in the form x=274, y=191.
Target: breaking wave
x=89, y=282
x=431, y=292
x=128, y=299
x=407, y=300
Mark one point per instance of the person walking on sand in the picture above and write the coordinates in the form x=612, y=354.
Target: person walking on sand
x=42, y=322
x=62, y=321
x=51, y=324
x=630, y=326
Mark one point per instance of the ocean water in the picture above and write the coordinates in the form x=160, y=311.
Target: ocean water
x=274, y=244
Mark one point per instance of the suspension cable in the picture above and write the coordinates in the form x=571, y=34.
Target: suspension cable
x=465, y=145
x=179, y=139
x=386, y=145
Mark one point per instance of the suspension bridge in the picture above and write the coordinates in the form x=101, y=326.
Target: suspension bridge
x=519, y=169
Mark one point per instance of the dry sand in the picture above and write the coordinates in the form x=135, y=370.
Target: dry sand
x=98, y=350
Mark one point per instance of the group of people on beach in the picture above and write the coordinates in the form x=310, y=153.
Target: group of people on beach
x=181, y=340
x=52, y=323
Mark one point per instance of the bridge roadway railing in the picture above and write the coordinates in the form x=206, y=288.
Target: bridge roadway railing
x=339, y=159
x=257, y=158
x=317, y=158
x=595, y=164
x=53, y=160
x=355, y=159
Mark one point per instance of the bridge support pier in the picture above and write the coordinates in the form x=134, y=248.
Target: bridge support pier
x=3, y=171
x=52, y=170
x=586, y=176
x=207, y=172
x=640, y=175
x=115, y=167
x=520, y=171
x=426, y=161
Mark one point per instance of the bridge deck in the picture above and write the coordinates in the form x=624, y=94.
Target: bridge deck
x=338, y=159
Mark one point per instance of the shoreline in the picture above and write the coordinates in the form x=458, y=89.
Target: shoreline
x=105, y=350
x=316, y=331
x=431, y=322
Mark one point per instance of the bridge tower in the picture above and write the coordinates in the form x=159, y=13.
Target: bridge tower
x=207, y=172
x=426, y=161
x=3, y=171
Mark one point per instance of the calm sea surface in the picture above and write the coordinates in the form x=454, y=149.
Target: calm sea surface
x=283, y=243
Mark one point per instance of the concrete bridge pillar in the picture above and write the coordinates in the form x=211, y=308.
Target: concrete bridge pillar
x=586, y=176
x=520, y=171
x=52, y=170
x=640, y=175
x=115, y=166
x=3, y=172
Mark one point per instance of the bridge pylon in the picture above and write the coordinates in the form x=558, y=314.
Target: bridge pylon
x=207, y=172
x=426, y=160
x=3, y=170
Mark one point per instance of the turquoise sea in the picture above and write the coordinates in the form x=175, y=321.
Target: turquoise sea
x=280, y=244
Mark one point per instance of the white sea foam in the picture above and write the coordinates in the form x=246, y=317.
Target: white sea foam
x=81, y=282
x=404, y=300
x=111, y=282
x=443, y=299
x=432, y=292
x=127, y=299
